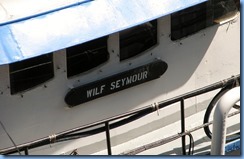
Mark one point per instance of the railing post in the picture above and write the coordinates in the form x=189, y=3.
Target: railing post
x=183, y=138
x=219, y=120
x=26, y=151
x=108, y=138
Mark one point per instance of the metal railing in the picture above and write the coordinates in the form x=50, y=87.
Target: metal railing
x=223, y=107
x=125, y=118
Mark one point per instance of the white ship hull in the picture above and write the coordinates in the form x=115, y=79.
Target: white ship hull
x=204, y=58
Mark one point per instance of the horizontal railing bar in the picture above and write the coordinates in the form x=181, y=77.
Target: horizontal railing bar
x=170, y=138
x=200, y=91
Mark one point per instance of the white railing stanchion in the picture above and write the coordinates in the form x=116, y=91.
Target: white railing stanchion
x=219, y=120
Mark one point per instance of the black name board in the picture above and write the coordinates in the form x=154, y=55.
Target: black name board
x=115, y=83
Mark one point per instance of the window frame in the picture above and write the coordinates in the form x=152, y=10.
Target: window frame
x=30, y=70
x=154, y=43
x=86, y=51
x=209, y=20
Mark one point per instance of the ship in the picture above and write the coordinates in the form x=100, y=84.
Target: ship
x=115, y=77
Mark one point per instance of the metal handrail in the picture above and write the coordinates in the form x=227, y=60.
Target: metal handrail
x=219, y=123
x=137, y=113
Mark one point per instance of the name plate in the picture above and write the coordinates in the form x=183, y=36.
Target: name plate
x=115, y=83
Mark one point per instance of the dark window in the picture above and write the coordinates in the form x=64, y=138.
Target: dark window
x=196, y=18
x=223, y=9
x=83, y=57
x=30, y=73
x=135, y=40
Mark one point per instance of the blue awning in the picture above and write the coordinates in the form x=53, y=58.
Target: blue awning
x=77, y=23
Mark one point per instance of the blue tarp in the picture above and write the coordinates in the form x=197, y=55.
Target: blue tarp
x=64, y=27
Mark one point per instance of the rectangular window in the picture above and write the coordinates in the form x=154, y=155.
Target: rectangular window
x=30, y=73
x=136, y=40
x=196, y=18
x=86, y=56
